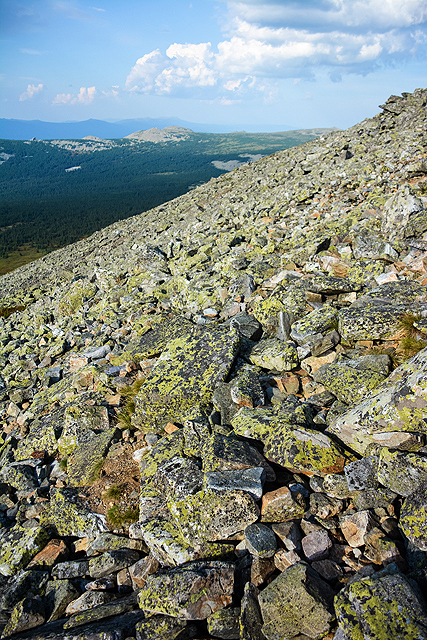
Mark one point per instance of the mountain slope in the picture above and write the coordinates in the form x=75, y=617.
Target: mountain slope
x=214, y=414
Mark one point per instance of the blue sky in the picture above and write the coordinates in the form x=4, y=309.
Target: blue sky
x=297, y=63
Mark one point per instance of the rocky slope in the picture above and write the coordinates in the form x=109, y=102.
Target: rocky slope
x=214, y=414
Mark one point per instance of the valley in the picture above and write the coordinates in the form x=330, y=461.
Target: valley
x=54, y=192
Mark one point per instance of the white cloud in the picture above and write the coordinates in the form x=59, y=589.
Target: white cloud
x=85, y=96
x=266, y=41
x=32, y=90
x=31, y=52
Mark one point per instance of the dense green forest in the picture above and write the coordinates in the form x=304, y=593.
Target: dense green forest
x=53, y=193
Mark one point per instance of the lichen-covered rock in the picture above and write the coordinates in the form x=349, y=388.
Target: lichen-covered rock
x=184, y=375
x=224, y=624
x=248, y=480
x=318, y=321
x=413, y=517
x=228, y=453
x=69, y=516
x=58, y=595
x=381, y=606
x=27, y=614
x=18, y=545
x=397, y=406
x=298, y=601
x=348, y=381
x=159, y=627
x=210, y=516
x=192, y=592
x=370, y=321
x=86, y=458
x=274, y=355
x=112, y=561
x=400, y=471
x=77, y=420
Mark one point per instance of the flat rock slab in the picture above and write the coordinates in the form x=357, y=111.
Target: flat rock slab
x=346, y=382
x=382, y=606
x=185, y=375
x=298, y=601
x=210, y=516
x=192, y=592
x=398, y=405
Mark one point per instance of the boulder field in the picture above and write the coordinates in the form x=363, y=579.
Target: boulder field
x=213, y=415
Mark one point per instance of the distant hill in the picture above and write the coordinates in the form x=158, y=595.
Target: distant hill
x=54, y=192
x=12, y=129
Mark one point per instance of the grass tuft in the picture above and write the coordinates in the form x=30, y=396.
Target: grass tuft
x=96, y=472
x=118, y=517
x=124, y=417
x=113, y=493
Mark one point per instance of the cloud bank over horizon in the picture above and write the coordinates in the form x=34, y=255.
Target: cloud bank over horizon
x=266, y=42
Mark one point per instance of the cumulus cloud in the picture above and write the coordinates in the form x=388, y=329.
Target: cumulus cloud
x=86, y=95
x=32, y=90
x=267, y=40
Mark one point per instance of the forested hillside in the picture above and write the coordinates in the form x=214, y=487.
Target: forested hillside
x=56, y=192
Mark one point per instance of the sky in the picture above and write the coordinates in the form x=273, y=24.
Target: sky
x=290, y=63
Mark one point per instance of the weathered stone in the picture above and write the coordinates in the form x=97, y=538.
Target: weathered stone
x=109, y=541
x=88, y=600
x=210, y=516
x=227, y=453
x=362, y=474
x=59, y=594
x=114, y=608
x=192, y=592
x=354, y=527
x=110, y=561
x=18, y=546
x=54, y=551
x=399, y=404
x=27, y=614
x=23, y=584
x=248, y=480
x=184, y=375
x=260, y=540
x=382, y=606
x=289, y=533
x=298, y=601
x=69, y=516
x=281, y=505
x=348, y=381
x=250, y=621
x=224, y=624
x=413, y=521
x=316, y=545
x=274, y=355
x=159, y=627
x=140, y=571
x=402, y=472
x=71, y=569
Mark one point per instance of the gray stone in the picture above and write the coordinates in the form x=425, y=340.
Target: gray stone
x=224, y=624
x=71, y=569
x=413, y=521
x=297, y=601
x=159, y=627
x=362, y=474
x=18, y=546
x=398, y=610
x=27, y=614
x=274, y=355
x=402, y=472
x=192, y=592
x=250, y=621
x=59, y=594
x=88, y=600
x=250, y=481
x=260, y=540
x=398, y=405
x=112, y=561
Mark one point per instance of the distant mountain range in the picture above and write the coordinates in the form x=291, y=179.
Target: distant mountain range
x=11, y=129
